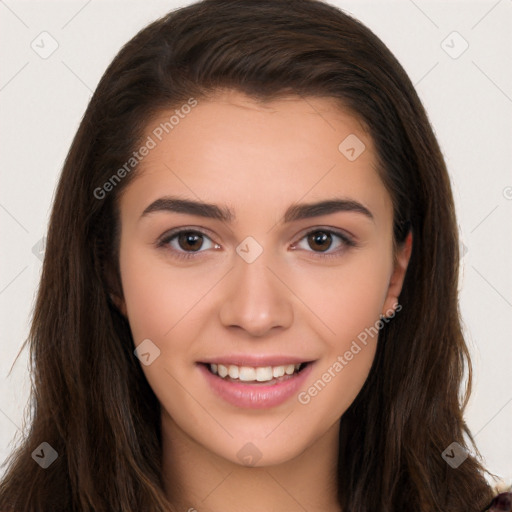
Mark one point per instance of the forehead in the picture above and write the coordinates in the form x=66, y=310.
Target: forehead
x=250, y=154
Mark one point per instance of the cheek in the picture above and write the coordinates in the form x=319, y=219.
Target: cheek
x=337, y=382
x=158, y=297
x=351, y=310
x=163, y=305
x=349, y=298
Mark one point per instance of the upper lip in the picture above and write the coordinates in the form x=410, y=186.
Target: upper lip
x=257, y=360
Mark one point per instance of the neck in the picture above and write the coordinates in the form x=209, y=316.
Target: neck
x=196, y=478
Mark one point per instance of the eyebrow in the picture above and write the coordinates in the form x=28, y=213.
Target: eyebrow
x=293, y=213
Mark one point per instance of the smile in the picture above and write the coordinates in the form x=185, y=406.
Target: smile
x=251, y=374
x=259, y=387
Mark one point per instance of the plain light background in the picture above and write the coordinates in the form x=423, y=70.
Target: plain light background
x=467, y=93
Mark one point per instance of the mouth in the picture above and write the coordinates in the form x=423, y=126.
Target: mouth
x=255, y=387
x=263, y=375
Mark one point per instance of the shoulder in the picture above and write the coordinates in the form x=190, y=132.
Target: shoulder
x=502, y=502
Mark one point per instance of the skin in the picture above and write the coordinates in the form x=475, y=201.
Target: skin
x=257, y=159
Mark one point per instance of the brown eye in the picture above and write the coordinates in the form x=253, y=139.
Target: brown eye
x=325, y=243
x=190, y=240
x=187, y=244
x=320, y=240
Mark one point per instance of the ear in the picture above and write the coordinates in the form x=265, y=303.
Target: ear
x=402, y=257
x=119, y=303
x=114, y=287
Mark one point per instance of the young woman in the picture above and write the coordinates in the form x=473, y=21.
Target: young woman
x=249, y=292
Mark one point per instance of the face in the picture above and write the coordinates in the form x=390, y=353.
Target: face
x=252, y=243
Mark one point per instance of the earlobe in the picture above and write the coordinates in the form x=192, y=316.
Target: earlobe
x=118, y=303
x=114, y=287
x=403, y=255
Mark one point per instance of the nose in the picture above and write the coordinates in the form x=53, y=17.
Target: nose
x=256, y=301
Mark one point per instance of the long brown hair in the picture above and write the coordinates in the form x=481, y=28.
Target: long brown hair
x=90, y=399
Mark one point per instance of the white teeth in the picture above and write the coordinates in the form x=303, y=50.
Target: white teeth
x=222, y=370
x=233, y=371
x=289, y=369
x=263, y=374
x=278, y=371
x=248, y=373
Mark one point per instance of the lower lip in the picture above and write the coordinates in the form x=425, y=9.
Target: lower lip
x=256, y=396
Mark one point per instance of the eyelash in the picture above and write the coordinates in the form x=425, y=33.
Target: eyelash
x=163, y=242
